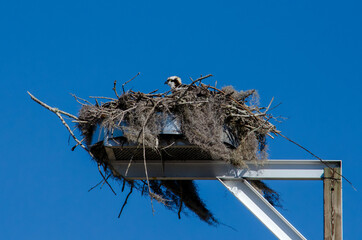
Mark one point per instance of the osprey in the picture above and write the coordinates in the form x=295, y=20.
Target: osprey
x=173, y=82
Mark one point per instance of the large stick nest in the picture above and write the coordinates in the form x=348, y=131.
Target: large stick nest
x=205, y=113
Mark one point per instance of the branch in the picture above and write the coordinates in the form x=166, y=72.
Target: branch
x=129, y=81
x=114, y=88
x=180, y=209
x=72, y=134
x=98, y=183
x=108, y=98
x=320, y=159
x=146, y=172
x=125, y=201
x=58, y=113
x=267, y=109
x=77, y=144
x=191, y=84
x=84, y=100
x=99, y=169
x=54, y=110
x=201, y=78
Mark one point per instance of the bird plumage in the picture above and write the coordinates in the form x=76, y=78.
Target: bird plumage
x=174, y=82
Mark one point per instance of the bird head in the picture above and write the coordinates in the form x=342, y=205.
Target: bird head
x=173, y=82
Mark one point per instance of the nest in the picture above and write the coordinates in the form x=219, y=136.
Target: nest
x=206, y=114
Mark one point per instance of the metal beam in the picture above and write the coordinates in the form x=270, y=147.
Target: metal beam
x=211, y=169
x=233, y=178
x=262, y=209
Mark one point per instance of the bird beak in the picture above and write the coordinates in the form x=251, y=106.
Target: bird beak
x=166, y=82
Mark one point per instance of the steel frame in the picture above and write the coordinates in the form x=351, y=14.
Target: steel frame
x=235, y=180
x=212, y=170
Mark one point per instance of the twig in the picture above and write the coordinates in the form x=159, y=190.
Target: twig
x=320, y=159
x=128, y=82
x=129, y=164
x=199, y=102
x=72, y=134
x=104, y=182
x=267, y=109
x=79, y=121
x=51, y=108
x=275, y=106
x=114, y=88
x=246, y=116
x=146, y=172
x=190, y=85
x=180, y=209
x=148, y=117
x=201, y=78
x=124, y=184
x=108, y=98
x=84, y=100
x=98, y=183
x=152, y=92
x=125, y=201
x=77, y=144
x=164, y=148
x=100, y=171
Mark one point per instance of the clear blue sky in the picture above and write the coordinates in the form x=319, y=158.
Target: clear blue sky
x=306, y=54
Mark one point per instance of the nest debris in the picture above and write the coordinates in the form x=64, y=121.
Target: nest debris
x=205, y=113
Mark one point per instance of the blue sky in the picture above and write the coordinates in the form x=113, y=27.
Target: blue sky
x=305, y=54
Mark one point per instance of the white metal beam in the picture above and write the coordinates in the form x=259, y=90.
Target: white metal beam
x=233, y=179
x=262, y=209
x=211, y=169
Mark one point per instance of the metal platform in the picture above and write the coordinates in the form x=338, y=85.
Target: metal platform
x=172, y=144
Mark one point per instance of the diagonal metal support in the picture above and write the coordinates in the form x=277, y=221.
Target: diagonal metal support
x=262, y=209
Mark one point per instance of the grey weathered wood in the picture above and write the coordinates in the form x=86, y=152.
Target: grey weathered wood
x=332, y=186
